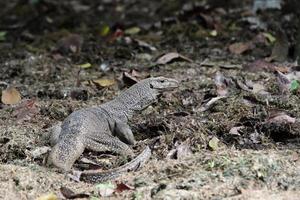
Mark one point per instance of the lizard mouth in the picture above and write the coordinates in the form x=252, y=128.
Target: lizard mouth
x=165, y=85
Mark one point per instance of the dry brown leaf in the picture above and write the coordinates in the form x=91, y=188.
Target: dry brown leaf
x=69, y=194
x=170, y=57
x=281, y=48
x=262, y=65
x=280, y=116
x=122, y=187
x=235, y=130
x=104, y=82
x=283, y=83
x=39, y=151
x=240, y=47
x=210, y=103
x=71, y=43
x=221, y=84
x=10, y=96
x=26, y=110
x=145, y=45
x=50, y=196
x=181, y=151
x=130, y=78
x=283, y=119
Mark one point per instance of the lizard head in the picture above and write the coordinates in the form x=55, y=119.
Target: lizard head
x=146, y=92
x=160, y=84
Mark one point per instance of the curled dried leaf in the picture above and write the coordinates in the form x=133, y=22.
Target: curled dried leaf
x=170, y=57
x=10, y=96
x=240, y=47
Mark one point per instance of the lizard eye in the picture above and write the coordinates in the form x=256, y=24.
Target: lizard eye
x=151, y=86
x=162, y=81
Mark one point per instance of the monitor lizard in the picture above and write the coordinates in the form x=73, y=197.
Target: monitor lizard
x=104, y=128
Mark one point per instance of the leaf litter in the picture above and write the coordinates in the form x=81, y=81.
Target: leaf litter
x=260, y=148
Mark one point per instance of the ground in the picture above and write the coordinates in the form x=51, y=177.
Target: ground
x=230, y=131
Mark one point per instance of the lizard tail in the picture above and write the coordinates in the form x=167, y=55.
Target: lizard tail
x=96, y=176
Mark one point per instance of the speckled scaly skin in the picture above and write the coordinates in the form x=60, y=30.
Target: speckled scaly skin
x=105, y=128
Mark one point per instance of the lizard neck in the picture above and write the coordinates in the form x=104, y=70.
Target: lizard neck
x=117, y=110
x=130, y=101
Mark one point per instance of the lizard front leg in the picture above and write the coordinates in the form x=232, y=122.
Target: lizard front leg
x=124, y=133
x=54, y=133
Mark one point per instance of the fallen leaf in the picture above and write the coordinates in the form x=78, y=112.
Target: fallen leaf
x=281, y=48
x=122, y=187
x=262, y=6
x=213, y=33
x=258, y=88
x=104, y=82
x=283, y=83
x=3, y=35
x=129, y=78
x=71, y=43
x=240, y=47
x=50, y=196
x=105, y=30
x=132, y=31
x=39, y=151
x=262, y=65
x=181, y=151
x=260, y=38
x=270, y=37
x=221, y=83
x=145, y=45
x=79, y=94
x=26, y=110
x=220, y=64
x=235, y=130
x=117, y=34
x=214, y=143
x=78, y=6
x=294, y=85
x=85, y=65
x=210, y=103
x=106, y=189
x=69, y=194
x=104, y=67
x=170, y=57
x=10, y=96
x=280, y=116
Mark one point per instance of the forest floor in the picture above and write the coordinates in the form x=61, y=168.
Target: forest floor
x=230, y=131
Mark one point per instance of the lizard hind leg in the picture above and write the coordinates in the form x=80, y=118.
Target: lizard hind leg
x=66, y=152
x=106, y=142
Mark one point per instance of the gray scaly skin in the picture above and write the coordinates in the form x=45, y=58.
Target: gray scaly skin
x=105, y=128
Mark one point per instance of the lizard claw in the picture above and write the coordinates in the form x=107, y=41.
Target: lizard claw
x=75, y=176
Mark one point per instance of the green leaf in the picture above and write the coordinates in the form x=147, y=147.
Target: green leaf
x=270, y=37
x=105, y=30
x=94, y=198
x=132, y=31
x=294, y=85
x=85, y=65
x=33, y=2
x=107, y=185
x=3, y=35
x=213, y=143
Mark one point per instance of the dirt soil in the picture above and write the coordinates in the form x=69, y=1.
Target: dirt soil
x=230, y=131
